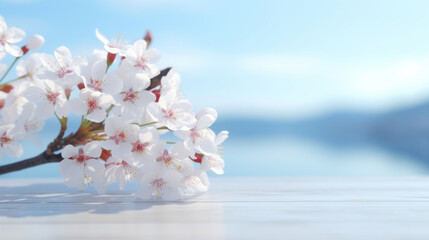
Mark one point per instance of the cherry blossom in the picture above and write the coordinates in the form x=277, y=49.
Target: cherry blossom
x=31, y=124
x=177, y=157
x=114, y=46
x=142, y=59
x=120, y=135
x=195, y=182
x=125, y=112
x=122, y=169
x=133, y=98
x=63, y=68
x=147, y=147
x=80, y=166
x=173, y=113
x=9, y=136
x=29, y=68
x=9, y=36
x=52, y=98
x=160, y=183
x=91, y=103
x=201, y=138
x=99, y=80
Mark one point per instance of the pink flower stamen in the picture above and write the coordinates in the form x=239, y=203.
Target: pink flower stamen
x=92, y=105
x=63, y=71
x=169, y=114
x=130, y=96
x=141, y=63
x=139, y=146
x=120, y=137
x=52, y=96
x=95, y=84
x=158, y=183
x=4, y=139
x=80, y=157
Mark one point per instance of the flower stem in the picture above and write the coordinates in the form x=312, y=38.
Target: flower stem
x=8, y=70
x=146, y=124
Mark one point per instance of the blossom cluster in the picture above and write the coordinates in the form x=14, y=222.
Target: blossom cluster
x=128, y=108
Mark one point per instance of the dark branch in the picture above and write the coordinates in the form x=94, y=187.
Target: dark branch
x=155, y=81
x=31, y=162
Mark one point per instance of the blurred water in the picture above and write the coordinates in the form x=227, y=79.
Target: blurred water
x=282, y=156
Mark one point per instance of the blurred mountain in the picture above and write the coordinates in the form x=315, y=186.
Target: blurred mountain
x=403, y=131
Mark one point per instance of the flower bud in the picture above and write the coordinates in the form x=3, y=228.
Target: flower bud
x=148, y=38
x=35, y=42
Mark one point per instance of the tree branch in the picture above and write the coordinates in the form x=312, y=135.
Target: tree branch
x=155, y=81
x=30, y=162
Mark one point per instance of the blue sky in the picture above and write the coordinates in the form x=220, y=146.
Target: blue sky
x=260, y=58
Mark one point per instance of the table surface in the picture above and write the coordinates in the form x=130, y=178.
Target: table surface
x=234, y=208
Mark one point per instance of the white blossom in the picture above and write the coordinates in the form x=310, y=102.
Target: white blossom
x=9, y=36
x=80, y=166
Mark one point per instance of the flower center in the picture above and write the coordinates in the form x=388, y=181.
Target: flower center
x=141, y=63
x=80, y=157
x=92, y=105
x=130, y=96
x=169, y=114
x=158, y=183
x=95, y=84
x=139, y=146
x=52, y=96
x=4, y=139
x=63, y=71
x=119, y=137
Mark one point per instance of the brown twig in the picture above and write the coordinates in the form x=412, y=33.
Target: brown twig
x=30, y=162
x=155, y=81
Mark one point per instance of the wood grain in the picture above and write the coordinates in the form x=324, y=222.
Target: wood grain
x=234, y=208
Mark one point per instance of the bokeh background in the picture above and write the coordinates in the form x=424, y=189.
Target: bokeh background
x=306, y=88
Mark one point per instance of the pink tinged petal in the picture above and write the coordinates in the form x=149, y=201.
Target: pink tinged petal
x=78, y=106
x=49, y=62
x=62, y=109
x=221, y=137
x=92, y=149
x=13, y=50
x=206, y=118
x=98, y=70
x=122, y=149
x=13, y=149
x=108, y=144
x=105, y=100
x=101, y=37
x=112, y=84
x=44, y=110
x=113, y=125
x=206, y=147
x=146, y=97
x=69, y=151
x=16, y=35
x=148, y=134
x=94, y=169
x=63, y=56
x=97, y=115
x=73, y=173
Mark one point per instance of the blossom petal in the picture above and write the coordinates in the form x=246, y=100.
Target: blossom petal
x=69, y=151
x=92, y=149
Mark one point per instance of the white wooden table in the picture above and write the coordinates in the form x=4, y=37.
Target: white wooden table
x=234, y=208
